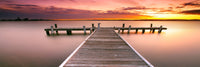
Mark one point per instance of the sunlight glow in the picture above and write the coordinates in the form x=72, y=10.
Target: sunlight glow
x=173, y=16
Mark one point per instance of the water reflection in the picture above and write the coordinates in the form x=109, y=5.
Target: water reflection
x=176, y=47
x=25, y=44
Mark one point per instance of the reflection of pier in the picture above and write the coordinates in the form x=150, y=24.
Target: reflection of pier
x=91, y=29
x=105, y=48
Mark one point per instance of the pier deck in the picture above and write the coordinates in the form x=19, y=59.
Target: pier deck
x=105, y=48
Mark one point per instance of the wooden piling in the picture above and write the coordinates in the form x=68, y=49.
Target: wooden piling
x=56, y=27
x=99, y=25
x=143, y=30
x=123, y=28
x=84, y=30
x=51, y=29
x=93, y=27
x=118, y=30
x=153, y=31
x=151, y=27
x=136, y=30
x=69, y=32
x=160, y=30
x=91, y=30
x=47, y=32
x=129, y=29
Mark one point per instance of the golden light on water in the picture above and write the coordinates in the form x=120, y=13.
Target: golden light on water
x=172, y=16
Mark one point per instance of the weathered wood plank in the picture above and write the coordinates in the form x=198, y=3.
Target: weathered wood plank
x=105, y=48
x=133, y=28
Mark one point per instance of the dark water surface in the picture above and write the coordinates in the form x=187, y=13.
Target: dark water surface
x=25, y=44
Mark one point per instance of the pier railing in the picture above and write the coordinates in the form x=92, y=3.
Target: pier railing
x=55, y=29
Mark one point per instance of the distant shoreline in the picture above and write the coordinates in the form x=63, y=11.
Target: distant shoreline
x=97, y=20
x=108, y=20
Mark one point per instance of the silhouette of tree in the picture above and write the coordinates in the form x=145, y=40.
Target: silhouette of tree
x=18, y=19
x=25, y=19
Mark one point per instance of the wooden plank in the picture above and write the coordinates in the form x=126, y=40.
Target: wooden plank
x=134, y=28
x=64, y=29
x=105, y=48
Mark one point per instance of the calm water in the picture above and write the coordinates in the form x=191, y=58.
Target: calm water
x=25, y=44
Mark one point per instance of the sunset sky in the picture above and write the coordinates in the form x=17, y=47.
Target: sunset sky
x=100, y=9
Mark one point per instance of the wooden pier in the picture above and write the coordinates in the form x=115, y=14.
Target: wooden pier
x=105, y=48
x=91, y=29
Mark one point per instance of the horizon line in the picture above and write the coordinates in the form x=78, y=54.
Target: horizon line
x=100, y=20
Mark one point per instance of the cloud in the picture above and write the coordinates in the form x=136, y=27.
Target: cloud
x=52, y=12
x=180, y=7
x=27, y=5
x=122, y=14
x=191, y=4
x=7, y=1
x=11, y=14
x=169, y=9
x=117, y=13
x=191, y=12
x=35, y=11
x=72, y=0
x=135, y=8
x=56, y=10
x=24, y=7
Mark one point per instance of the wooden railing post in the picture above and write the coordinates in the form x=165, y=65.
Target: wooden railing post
x=56, y=28
x=160, y=30
x=84, y=30
x=151, y=27
x=93, y=27
x=91, y=30
x=51, y=29
x=99, y=25
x=136, y=30
x=153, y=31
x=129, y=29
x=118, y=30
x=55, y=25
x=123, y=28
x=47, y=32
x=143, y=30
